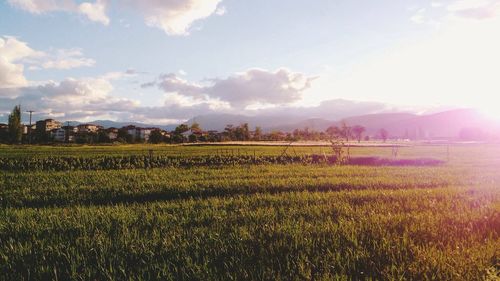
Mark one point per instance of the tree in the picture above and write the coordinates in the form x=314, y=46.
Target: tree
x=358, y=131
x=15, y=126
x=344, y=132
x=229, y=132
x=257, y=135
x=178, y=136
x=155, y=137
x=124, y=136
x=192, y=138
x=195, y=127
x=181, y=129
x=383, y=134
x=102, y=137
x=241, y=132
x=333, y=131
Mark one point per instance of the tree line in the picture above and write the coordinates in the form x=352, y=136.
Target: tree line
x=194, y=133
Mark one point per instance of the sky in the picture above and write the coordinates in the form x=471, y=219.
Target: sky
x=165, y=61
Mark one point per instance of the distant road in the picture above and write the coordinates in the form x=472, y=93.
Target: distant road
x=300, y=143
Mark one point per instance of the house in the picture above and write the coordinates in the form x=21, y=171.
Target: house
x=145, y=133
x=64, y=134
x=196, y=132
x=112, y=133
x=47, y=125
x=139, y=134
x=88, y=128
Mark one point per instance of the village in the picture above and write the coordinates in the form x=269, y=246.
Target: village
x=53, y=131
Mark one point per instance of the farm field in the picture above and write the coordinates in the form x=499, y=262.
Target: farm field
x=248, y=220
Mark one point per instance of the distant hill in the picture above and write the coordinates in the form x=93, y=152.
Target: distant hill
x=317, y=124
x=448, y=124
x=219, y=121
x=114, y=124
x=444, y=125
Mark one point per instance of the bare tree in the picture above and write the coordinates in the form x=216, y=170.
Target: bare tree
x=358, y=131
x=383, y=134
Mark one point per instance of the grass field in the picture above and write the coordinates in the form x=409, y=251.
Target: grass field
x=253, y=222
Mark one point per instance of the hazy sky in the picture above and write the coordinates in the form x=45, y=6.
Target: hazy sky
x=163, y=61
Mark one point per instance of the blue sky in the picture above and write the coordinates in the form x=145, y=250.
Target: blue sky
x=166, y=61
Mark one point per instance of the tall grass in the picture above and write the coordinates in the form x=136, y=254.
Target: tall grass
x=252, y=222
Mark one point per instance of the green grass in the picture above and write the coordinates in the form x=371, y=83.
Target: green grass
x=253, y=222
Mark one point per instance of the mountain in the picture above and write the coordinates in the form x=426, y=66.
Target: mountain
x=448, y=124
x=444, y=125
x=114, y=124
x=219, y=121
x=464, y=123
x=316, y=124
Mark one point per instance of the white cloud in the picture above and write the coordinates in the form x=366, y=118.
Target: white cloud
x=12, y=52
x=175, y=17
x=11, y=75
x=43, y=6
x=419, y=16
x=66, y=59
x=15, y=55
x=254, y=86
x=95, y=11
x=70, y=98
x=221, y=11
x=457, y=9
x=475, y=9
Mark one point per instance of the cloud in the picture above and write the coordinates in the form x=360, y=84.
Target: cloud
x=439, y=13
x=475, y=9
x=171, y=83
x=66, y=59
x=95, y=12
x=16, y=54
x=221, y=11
x=68, y=98
x=12, y=52
x=254, y=86
x=174, y=17
x=44, y=6
x=11, y=75
x=419, y=16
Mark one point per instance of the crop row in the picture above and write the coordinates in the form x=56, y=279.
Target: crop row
x=144, y=162
x=110, y=187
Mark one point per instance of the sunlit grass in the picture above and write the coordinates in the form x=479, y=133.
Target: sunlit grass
x=279, y=222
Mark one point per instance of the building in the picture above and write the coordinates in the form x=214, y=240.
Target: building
x=145, y=133
x=139, y=134
x=88, y=128
x=47, y=125
x=112, y=133
x=64, y=134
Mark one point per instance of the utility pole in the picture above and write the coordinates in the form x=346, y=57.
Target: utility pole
x=29, y=129
x=66, y=135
